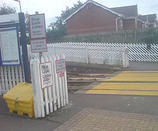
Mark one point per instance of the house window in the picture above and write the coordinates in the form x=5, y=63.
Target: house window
x=121, y=22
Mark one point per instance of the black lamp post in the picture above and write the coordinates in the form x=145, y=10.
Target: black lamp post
x=23, y=42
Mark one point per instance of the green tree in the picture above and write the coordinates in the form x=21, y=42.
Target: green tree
x=4, y=9
x=58, y=29
x=150, y=37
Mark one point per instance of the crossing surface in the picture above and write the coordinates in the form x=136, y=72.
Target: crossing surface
x=129, y=83
x=147, y=76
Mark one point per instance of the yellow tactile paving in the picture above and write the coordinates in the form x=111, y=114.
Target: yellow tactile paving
x=138, y=73
x=133, y=79
x=130, y=88
x=136, y=76
x=127, y=86
x=125, y=72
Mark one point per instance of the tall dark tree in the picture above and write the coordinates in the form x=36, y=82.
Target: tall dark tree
x=58, y=29
x=4, y=9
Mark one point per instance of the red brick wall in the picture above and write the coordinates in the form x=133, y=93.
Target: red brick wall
x=91, y=19
x=128, y=24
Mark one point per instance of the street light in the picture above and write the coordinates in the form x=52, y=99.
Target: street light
x=19, y=4
x=23, y=42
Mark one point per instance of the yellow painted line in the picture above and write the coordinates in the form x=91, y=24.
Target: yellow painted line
x=139, y=72
x=128, y=86
x=142, y=73
x=94, y=74
x=149, y=93
x=150, y=89
x=85, y=78
x=136, y=78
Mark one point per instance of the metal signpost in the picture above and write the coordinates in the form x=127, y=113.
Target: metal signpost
x=39, y=45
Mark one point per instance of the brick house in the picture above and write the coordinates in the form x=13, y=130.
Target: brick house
x=93, y=17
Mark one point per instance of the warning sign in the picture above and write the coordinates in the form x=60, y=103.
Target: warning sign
x=37, y=33
x=37, y=26
x=46, y=74
x=60, y=65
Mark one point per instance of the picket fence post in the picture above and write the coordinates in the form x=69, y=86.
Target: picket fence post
x=125, y=57
x=65, y=82
x=56, y=82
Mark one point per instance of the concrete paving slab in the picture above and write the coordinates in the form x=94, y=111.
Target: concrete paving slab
x=102, y=120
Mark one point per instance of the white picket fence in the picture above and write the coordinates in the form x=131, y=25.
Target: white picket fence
x=9, y=77
x=102, y=53
x=52, y=98
x=86, y=53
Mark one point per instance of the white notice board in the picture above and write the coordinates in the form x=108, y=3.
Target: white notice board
x=9, y=46
x=46, y=74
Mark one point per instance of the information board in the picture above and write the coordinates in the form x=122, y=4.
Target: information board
x=46, y=74
x=9, y=46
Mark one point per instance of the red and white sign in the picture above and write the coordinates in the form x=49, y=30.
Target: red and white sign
x=38, y=45
x=61, y=74
x=37, y=26
x=38, y=33
x=46, y=74
x=60, y=65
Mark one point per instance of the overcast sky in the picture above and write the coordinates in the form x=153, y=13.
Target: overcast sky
x=53, y=8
